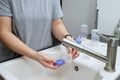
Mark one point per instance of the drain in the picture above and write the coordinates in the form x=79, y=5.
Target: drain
x=1, y=77
x=76, y=68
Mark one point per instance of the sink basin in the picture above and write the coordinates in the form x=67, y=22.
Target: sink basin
x=5, y=75
x=82, y=68
x=25, y=70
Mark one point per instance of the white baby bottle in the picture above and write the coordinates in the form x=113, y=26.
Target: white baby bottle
x=84, y=31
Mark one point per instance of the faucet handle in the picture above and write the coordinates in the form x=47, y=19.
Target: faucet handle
x=110, y=40
x=104, y=37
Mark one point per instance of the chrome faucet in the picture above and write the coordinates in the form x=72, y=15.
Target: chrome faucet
x=109, y=59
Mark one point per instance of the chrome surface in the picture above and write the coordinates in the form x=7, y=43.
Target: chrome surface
x=109, y=59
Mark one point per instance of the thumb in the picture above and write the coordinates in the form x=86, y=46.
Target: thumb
x=49, y=60
x=69, y=50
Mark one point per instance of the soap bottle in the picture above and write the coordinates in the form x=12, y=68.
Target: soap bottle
x=94, y=35
x=117, y=32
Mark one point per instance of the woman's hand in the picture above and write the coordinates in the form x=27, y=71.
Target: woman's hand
x=46, y=61
x=74, y=52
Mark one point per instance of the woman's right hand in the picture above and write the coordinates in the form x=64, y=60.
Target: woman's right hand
x=46, y=61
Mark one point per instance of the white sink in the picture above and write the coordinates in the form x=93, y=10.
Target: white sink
x=5, y=75
x=82, y=68
x=25, y=70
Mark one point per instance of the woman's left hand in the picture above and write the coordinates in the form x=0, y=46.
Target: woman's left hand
x=74, y=52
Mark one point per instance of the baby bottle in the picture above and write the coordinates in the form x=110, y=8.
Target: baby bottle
x=84, y=31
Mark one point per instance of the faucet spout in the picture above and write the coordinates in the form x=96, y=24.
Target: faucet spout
x=109, y=59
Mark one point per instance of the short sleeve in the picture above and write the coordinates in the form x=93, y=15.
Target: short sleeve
x=5, y=8
x=57, y=11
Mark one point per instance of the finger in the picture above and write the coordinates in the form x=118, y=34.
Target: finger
x=48, y=62
x=74, y=52
x=50, y=65
x=48, y=59
x=69, y=50
x=76, y=55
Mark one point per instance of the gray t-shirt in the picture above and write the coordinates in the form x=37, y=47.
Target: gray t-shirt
x=32, y=21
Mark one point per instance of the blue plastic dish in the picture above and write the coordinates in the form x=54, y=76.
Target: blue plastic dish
x=78, y=40
x=59, y=62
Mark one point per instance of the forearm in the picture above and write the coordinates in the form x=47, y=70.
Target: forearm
x=13, y=43
x=59, y=30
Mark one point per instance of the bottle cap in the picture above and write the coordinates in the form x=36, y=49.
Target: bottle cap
x=59, y=62
x=78, y=40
